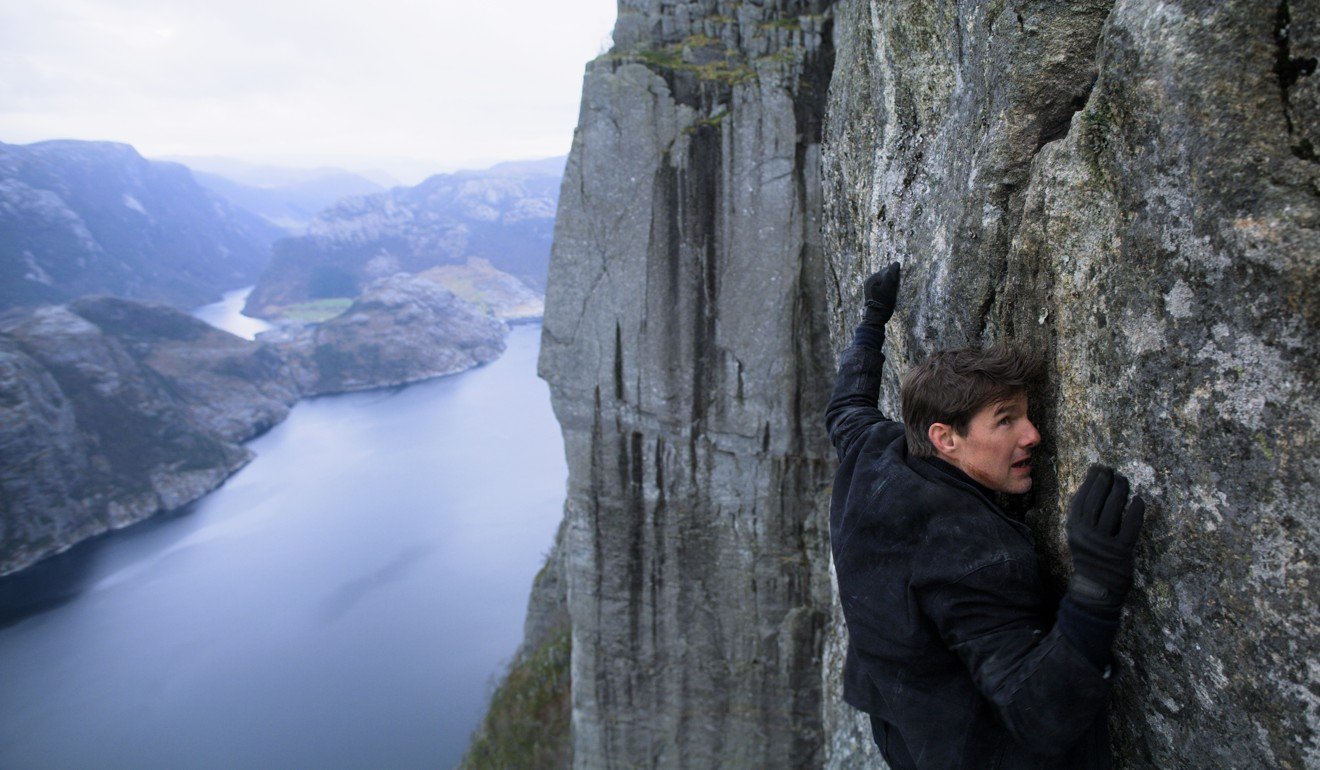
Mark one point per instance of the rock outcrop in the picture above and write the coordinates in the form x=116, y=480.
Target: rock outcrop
x=504, y=215
x=479, y=283
x=82, y=218
x=401, y=330
x=1131, y=187
x=111, y=411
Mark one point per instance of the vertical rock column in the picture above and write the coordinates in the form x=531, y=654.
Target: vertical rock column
x=684, y=349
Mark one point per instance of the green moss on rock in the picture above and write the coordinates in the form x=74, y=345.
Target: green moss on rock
x=527, y=725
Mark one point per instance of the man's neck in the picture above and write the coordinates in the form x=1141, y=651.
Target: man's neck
x=959, y=474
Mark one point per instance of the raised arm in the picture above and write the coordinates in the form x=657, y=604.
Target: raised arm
x=854, y=404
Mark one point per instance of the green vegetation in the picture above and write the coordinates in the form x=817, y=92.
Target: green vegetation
x=712, y=121
x=527, y=725
x=1098, y=124
x=317, y=310
x=699, y=41
x=724, y=71
x=790, y=22
x=670, y=57
x=782, y=56
x=732, y=69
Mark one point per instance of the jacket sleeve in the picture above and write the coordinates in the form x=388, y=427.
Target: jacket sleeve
x=854, y=405
x=1045, y=691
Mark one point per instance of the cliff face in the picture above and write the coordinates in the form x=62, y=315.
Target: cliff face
x=1129, y=187
x=686, y=270
x=1155, y=236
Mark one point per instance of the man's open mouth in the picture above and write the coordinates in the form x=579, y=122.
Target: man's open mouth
x=1024, y=463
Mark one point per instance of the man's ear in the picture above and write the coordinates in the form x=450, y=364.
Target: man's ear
x=941, y=437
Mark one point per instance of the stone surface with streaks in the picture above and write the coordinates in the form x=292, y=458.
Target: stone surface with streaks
x=685, y=271
x=1130, y=187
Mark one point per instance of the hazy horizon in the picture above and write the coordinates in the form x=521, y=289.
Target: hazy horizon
x=406, y=88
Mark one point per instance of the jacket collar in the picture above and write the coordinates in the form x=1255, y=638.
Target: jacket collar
x=941, y=472
x=958, y=474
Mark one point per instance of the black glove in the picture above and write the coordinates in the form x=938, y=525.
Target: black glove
x=881, y=292
x=1101, y=537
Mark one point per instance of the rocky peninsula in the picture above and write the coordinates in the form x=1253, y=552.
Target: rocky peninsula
x=113, y=410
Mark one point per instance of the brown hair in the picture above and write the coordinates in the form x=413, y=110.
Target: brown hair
x=951, y=386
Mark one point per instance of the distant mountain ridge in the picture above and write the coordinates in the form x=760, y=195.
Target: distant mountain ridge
x=97, y=218
x=504, y=215
x=293, y=205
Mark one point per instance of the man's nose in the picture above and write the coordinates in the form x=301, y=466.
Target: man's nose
x=1030, y=437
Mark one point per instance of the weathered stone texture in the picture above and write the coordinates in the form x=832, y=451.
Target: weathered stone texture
x=1129, y=187
x=1159, y=247
x=686, y=268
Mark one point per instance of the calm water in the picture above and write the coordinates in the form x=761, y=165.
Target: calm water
x=342, y=602
x=228, y=315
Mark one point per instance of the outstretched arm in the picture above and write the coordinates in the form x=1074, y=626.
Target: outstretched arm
x=854, y=404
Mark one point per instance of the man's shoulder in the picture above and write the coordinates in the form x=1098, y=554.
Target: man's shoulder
x=936, y=516
x=914, y=486
x=884, y=435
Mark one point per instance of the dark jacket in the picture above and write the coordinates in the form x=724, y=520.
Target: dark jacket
x=953, y=645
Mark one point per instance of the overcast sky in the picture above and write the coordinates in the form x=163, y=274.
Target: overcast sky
x=302, y=82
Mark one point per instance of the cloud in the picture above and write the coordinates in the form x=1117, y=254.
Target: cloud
x=440, y=80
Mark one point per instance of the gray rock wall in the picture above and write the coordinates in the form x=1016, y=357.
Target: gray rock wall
x=688, y=267
x=1155, y=236
x=1130, y=187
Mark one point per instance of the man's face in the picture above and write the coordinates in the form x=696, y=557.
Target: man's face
x=997, y=448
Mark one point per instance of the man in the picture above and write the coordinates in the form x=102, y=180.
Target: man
x=956, y=650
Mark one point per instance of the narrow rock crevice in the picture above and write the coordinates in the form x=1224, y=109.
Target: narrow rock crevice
x=1057, y=127
x=1288, y=70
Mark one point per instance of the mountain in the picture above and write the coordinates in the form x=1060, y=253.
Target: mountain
x=267, y=175
x=1129, y=188
x=504, y=215
x=112, y=410
x=291, y=205
x=97, y=218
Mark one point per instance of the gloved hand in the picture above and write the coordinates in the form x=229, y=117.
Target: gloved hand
x=1101, y=537
x=881, y=292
